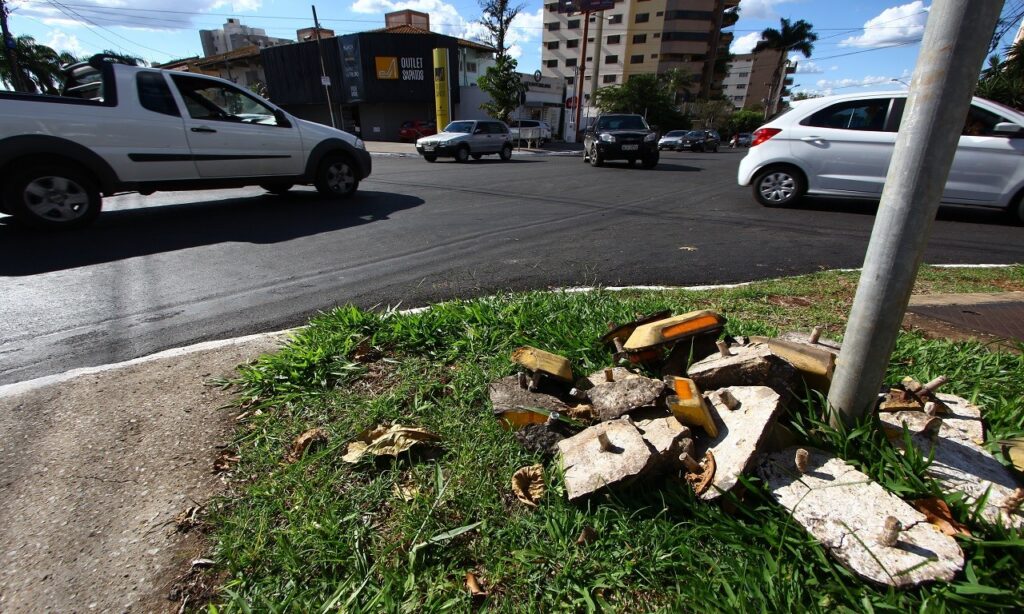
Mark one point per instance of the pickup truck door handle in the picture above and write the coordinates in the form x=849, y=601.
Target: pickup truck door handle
x=203, y=129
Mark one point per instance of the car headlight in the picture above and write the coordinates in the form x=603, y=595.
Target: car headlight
x=360, y=144
x=650, y=137
x=607, y=138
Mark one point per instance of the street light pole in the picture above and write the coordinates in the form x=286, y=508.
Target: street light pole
x=582, y=69
x=323, y=68
x=954, y=46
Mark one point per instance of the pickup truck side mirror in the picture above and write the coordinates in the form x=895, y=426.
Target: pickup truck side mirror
x=282, y=119
x=1008, y=129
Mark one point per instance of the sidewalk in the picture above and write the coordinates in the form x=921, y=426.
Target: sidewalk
x=97, y=464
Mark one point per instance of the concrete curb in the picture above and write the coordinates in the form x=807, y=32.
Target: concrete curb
x=57, y=378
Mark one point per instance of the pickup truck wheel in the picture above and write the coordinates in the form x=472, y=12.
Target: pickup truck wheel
x=53, y=198
x=279, y=189
x=462, y=154
x=335, y=177
x=506, y=153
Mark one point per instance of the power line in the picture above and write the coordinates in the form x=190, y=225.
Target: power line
x=62, y=7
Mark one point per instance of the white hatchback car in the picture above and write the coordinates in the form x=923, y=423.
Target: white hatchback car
x=841, y=146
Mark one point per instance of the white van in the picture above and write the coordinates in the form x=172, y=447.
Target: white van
x=841, y=146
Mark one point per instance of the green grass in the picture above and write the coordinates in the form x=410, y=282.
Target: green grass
x=321, y=534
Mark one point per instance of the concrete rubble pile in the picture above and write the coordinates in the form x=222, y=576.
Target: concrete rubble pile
x=717, y=411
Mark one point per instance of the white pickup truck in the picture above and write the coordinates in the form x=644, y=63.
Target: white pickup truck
x=118, y=128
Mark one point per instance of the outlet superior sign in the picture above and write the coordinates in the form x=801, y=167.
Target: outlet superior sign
x=393, y=68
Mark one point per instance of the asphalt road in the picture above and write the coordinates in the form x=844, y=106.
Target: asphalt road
x=172, y=269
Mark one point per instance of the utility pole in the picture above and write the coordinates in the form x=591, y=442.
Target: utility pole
x=597, y=53
x=9, y=51
x=324, y=79
x=955, y=42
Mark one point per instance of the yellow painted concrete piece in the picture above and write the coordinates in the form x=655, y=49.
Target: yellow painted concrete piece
x=815, y=363
x=545, y=362
x=673, y=329
x=688, y=405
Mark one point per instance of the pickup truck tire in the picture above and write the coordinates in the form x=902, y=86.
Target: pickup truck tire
x=462, y=154
x=52, y=197
x=278, y=189
x=336, y=177
x=506, y=153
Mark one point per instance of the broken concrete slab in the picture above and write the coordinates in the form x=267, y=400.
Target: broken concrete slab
x=810, y=339
x=667, y=437
x=615, y=373
x=603, y=455
x=741, y=433
x=749, y=365
x=508, y=395
x=814, y=362
x=958, y=415
x=613, y=399
x=848, y=513
x=960, y=465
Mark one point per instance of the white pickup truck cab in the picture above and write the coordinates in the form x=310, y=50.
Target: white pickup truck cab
x=119, y=128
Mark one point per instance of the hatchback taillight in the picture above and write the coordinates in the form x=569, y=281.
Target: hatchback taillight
x=763, y=134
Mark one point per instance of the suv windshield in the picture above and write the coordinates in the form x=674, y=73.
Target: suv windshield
x=622, y=122
x=463, y=127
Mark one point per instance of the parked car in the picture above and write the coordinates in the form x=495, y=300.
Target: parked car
x=621, y=137
x=671, y=140
x=745, y=139
x=841, y=146
x=414, y=129
x=119, y=128
x=530, y=127
x=467, y=138
x=700, y=140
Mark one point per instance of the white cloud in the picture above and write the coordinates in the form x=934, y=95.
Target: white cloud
x=833, y=68
x=61, y=41
x=897, y=24
x=805, y=66
x=745, y=43
x=760, y=9
x=827, y=84
x=108, y=13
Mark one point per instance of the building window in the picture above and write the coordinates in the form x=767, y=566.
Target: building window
x=636, y=59
x=471, y=66
x=741, y=86
x=614, y=40
x=554, y=26
x=686, y=36
x=590, y=59
x=552, y=63
x=553, y=7
x=570, y=80
x=611, y=59
x=642, y=18
x=743, y=74
x=573, y=44
x=657, y=35
x=553, y=45
x=573, y=23
x=609, y=78
x=692, y=15
x=569, y=63
x=587, y=78
x=615, y=19
x=654, y=56
x=659, y=13
x=639, y=39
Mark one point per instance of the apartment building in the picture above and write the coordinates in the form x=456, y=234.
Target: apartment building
x=234, y=35
x=637, y=37
x=748, y=82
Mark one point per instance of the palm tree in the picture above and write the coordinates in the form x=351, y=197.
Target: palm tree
x=798, y=37
x=40, y=66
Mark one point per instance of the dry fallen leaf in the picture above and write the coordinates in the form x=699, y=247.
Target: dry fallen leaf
x=937, y=513
x=475, y=589
x=528, y=484
x=587, y=535
x=387, y=441
x=305, y=442
x=224, y=461
x=1013, y=450
x=407, y=491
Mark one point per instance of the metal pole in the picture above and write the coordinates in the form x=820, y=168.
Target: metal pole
x=954, y=46
x=582, y=70
x=9, y=51
x=323, y=66
x=597, y=53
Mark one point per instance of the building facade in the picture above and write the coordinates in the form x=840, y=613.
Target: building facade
x=751, y=80
x=234, y=36
x=638, y=37
x=377, y=79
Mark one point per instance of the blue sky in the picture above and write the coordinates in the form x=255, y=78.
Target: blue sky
x=862, y=43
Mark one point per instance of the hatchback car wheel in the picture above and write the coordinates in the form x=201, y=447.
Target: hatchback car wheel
x=778, y=187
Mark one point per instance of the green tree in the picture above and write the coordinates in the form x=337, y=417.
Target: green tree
x=501, y=82
x=40, y=66
x=1003, y=78
x=743, y=120
x=647, y=95
x=799, y=37
x=804, y=96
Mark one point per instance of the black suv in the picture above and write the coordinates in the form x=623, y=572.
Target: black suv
x=621, y=137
